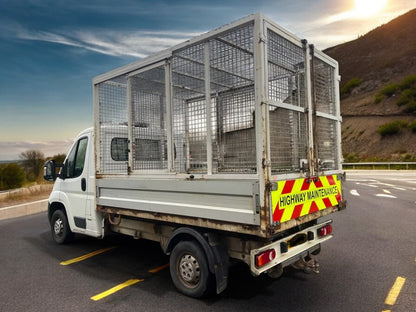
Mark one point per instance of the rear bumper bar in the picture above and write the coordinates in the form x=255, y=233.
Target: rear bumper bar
x=293, y=253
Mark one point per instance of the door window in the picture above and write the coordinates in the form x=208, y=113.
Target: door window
x=76, y=159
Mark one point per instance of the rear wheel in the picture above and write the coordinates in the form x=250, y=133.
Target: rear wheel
x=189, y=270
x=61, y=233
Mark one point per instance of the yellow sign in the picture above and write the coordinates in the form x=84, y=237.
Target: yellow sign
x=296, y=198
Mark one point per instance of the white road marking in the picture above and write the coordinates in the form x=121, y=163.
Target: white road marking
x=393, y=186
x=386, y=191
x=354, y=192
x=385, y=195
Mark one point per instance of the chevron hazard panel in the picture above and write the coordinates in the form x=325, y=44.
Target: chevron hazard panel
x=296, y=198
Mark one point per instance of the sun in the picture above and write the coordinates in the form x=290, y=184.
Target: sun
x=367, y=8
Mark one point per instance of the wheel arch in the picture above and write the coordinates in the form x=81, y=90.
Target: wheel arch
x=214, y=250
x=52, y=207
x=186, y=234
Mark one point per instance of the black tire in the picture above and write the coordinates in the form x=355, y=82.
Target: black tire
x=61, y=233
x=189, y=270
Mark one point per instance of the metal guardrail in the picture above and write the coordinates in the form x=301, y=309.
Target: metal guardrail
x=380, y=165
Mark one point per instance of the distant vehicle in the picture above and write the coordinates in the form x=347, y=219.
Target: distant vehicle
x=226, y=146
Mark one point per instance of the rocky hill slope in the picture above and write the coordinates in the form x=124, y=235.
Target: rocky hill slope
x=378, y=92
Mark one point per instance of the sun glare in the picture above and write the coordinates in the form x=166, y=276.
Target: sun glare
x=366, y=8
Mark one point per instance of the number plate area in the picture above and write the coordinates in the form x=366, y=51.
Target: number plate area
x=289, y=249
x=297, y=240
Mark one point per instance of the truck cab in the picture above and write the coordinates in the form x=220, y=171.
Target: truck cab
x=71, y=207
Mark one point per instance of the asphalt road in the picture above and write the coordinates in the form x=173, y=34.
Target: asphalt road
x=374, y=244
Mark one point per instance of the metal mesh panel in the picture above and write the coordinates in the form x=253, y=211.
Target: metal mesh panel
x=323, y=84
x=286, y=84
x=235, y=133
x=231, y=59
x=232, y=104
x=324, y=87
x=327, y=151
x=179, y=130
x=288, y=142
x=286, y=70
x=196, y=136
x=232, y=78
x=113, y=122
x=188, y=73
x=189, y=118
x=148, y=119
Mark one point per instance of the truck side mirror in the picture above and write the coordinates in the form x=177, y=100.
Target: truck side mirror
x=49, y=170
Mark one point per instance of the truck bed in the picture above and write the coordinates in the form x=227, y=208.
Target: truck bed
x=230, y=200
x=226, y=205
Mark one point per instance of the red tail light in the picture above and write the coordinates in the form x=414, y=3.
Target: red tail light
x=265, y=257
x=325, y=230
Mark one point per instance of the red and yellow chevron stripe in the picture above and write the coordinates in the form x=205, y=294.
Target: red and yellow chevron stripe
x=296, y=198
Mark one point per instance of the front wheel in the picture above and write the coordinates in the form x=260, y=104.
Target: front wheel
x=61, y=233
x=189, y=270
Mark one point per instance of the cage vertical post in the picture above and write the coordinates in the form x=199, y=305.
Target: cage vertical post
x=129, y=125
x=338, y=115
x=260, y=111
x=308, y=87
x=96, y=113
x=207, y=74
x=169, y=111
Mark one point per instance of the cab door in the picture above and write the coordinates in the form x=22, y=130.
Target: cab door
x=74, y=185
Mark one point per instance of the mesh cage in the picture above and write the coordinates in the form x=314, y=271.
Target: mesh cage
x=113, y=125
x=286, y=85
x=229, y=56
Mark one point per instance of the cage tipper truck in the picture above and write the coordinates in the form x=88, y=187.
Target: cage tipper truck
x=226, y=146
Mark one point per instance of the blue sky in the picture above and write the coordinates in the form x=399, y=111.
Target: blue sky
x=50, y=50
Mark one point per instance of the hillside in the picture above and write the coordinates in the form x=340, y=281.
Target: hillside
x=373, y=91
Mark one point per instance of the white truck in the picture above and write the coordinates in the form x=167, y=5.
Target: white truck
x=226, y=146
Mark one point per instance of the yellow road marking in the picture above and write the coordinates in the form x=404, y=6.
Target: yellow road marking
x=395, y=291
x=115, y=289
x=92, y=254
x=155, y=270
x=386, y=311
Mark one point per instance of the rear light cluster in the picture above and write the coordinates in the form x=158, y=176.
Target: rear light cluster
x=325, y=230
x=265, y=257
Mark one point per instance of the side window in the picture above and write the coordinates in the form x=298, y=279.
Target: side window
x=76, y=159
x=119, y=149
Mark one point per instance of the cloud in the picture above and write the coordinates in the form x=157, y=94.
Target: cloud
x=11, y=150
x=137, y=44
x=131, y=43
